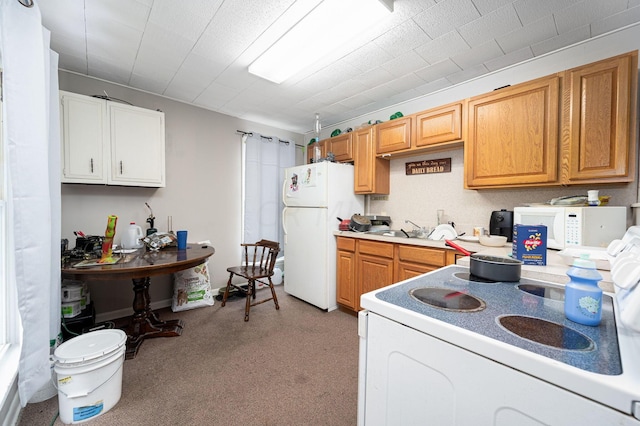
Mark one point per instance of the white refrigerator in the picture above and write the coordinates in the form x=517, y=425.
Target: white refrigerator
x=315, y=196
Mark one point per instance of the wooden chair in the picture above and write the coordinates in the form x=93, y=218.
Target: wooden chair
x=259, y=261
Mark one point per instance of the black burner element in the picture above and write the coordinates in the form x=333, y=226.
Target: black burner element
x=546, y=333
x=546, y=291
x=447, y=299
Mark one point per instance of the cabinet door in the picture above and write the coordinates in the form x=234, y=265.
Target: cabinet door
x=513, y=136
x=393, y=135
x=84, y=139
x=346, y=284
x=341, y=146
x=373, y=273
x=371, y=172
x=438, y=125
x=374, y=266
x=599, y=119
x=137, y=146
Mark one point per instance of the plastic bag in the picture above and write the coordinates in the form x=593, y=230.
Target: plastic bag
x=192, y=288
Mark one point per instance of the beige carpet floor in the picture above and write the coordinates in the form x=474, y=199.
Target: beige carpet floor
x=295, y=366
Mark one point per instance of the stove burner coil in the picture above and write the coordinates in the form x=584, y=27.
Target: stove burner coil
x=447, y=299
x=546, y=333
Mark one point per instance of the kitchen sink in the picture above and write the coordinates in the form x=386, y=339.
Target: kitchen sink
x=393, y=233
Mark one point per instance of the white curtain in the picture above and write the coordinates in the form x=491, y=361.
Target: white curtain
x=265, y=158
x=31, y=118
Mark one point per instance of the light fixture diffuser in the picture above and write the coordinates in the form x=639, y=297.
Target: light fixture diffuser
x=325, y=28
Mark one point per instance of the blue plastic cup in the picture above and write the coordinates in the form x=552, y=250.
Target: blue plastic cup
x=182, y=240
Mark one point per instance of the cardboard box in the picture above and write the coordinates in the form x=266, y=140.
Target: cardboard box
x=530, y=244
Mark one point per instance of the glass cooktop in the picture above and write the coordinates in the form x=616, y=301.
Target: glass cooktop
x=528, y=314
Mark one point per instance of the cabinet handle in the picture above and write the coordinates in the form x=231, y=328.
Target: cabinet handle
x=92, y=165
x=120, y=166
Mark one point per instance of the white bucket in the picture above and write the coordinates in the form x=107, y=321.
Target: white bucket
x=89, y=374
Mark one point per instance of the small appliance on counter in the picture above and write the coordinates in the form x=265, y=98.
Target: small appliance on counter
x=501, y=223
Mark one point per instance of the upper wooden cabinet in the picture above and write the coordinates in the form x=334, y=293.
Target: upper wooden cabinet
x=599, y=121
x=576, y=127
x=393, y=135
x=341, y=146
x=371, y=172
x=513, y=136
x=437, y=126
x=111, y=143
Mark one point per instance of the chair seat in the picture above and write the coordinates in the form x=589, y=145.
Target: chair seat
x=249, y=272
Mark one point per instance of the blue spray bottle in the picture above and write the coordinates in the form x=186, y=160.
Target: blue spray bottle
x=583, y=297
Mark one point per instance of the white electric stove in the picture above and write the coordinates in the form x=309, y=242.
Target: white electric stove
x=447, y=348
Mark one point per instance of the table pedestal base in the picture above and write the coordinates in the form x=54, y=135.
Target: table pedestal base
x=145, y=323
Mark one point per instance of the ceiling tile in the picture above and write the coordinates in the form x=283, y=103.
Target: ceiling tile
x=560, y=41
x=583, y=13
x=492, y=25
x=531, y=11
x=403, y=38
x=443, y=47
x=509, y=59
x=127, y=13
x=405, y=64
x=438, y=70
x=189, y=18
x=532, y=33
x=467, y=74
x=433, y=86
x=479, y=55
x=368, y=57
x=357, y=101
x=446, y=16
x=373, y=78
x=487, y=6
x=618, y=20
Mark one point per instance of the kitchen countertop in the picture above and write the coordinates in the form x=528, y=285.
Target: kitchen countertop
x=554, y=271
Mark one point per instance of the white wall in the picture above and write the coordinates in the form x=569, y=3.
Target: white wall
x=418, y=197
x=203, y=158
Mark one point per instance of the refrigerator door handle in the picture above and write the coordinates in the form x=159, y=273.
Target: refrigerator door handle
x=284, y=226
x=284, y=189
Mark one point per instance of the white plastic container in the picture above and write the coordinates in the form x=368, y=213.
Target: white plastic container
x=71, y=309
x=72, y=292
x=132, y=239
x=89, y=374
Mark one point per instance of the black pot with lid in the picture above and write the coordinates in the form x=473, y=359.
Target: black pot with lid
x=501, y=223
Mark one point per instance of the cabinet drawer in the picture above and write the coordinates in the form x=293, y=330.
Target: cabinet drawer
x=346, y=244
x=424, y=255
x=375, y=248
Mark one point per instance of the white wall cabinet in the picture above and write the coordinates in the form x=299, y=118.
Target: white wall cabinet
x=111, y=143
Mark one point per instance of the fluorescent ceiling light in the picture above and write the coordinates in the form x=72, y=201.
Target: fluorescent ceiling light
x=325, y=28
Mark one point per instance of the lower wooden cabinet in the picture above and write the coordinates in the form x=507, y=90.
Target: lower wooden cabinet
x=346, y=273
x=366, y=265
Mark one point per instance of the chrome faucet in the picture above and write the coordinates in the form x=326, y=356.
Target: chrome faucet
x=408, y=221
x=420, y=231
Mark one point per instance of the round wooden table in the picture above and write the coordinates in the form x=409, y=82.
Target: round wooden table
x=140, y=266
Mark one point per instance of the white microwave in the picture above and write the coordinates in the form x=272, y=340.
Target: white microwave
x=575, y=226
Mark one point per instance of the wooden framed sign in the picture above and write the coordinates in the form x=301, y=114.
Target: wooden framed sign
x=425, y=167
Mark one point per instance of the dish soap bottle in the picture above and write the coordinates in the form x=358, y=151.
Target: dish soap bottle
x=582, y=296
